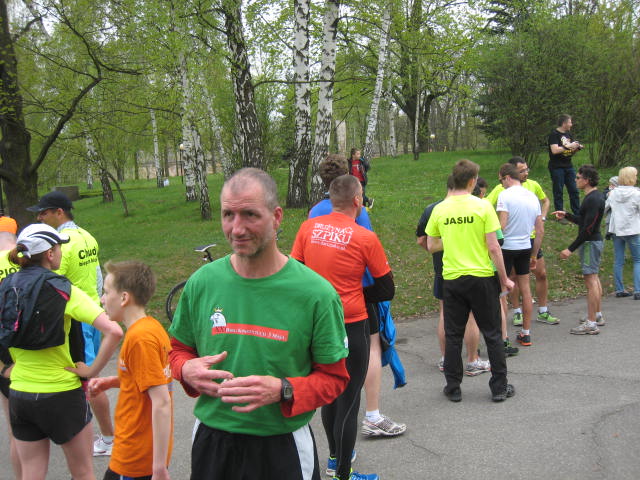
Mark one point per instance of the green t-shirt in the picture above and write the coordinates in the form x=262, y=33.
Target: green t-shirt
x=6, y=267
x=462, y=221
x=43, y=371
x=80, y=261
x=531, y=185
x=277, y=325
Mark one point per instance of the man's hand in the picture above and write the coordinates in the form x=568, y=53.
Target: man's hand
x=256, y=391
x=82, y=370
x=564, y=254
x=559, y=214
x=161, y=474
x=508, y=285
x=98, y=385
x=533, y=262
x=196, y=373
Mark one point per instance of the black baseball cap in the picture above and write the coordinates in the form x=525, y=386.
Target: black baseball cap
x=52, y=200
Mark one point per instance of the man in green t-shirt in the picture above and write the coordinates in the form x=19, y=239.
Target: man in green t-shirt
x=274, y=330
x=465, y=227
x=81, y=266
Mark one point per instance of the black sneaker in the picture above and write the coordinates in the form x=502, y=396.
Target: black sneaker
x=508, y=392
x=509, y=350
x=623, y=294
x=455, y=395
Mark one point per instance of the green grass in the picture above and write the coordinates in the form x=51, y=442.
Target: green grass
x=163, y=229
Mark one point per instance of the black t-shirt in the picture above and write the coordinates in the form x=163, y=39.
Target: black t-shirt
x=588, y=219
x=560, y=160
x=420, y=232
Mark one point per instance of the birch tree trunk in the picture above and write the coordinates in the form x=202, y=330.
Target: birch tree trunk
x=247, y=131
x=188, y=153
x=367, y=151
x=201, y=176
x=299, y=167
x=156, y=149
x=92, y=159
x=325, y=99
x=89, y=178
x=392, y=112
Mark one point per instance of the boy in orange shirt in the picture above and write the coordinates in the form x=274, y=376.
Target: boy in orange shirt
x=144, y=412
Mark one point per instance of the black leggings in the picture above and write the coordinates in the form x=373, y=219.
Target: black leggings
x=340, y=419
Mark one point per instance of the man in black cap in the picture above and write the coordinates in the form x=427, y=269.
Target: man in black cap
x=81, y=266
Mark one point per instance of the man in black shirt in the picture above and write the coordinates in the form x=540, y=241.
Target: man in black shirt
x=589, y=242
x=562, y=147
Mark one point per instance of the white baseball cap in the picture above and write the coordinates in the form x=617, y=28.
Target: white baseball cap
x=38, y=238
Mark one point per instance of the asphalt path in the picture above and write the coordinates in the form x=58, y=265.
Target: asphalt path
x=575, y=415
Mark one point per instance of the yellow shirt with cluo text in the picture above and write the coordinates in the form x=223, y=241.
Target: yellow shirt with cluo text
x=462, y=221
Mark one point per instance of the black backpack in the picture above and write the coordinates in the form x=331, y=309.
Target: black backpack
x=32, y=304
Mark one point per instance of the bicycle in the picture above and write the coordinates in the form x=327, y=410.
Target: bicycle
x=171, y=302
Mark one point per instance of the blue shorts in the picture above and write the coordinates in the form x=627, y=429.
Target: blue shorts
x=590, y=256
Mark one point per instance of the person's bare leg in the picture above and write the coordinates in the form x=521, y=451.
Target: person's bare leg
x=102, y=412
x=527, y=300
x=15, y=460
x=594, y=295
x=472, y=339
x=441, y=339
x=78, y=452
x=503, y=317
x=542, y=284
x=374, y=374
x=34, y=458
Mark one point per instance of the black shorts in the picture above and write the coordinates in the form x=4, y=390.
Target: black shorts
x=518, y=259
x=220, y=455
x=59, y=416
x=374, y=319
x=437, y=286
x=111, y=475
x=540, y=254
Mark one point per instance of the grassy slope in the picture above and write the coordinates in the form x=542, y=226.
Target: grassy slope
x=163, y=229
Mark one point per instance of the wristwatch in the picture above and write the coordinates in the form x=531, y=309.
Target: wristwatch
x=286, y=391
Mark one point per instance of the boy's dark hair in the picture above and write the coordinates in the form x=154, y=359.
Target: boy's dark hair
x=590, y=174
x=480, y=183
x=463, y=171
x=563, y=118
x=332, y=167
x=509, y=170
x=134, y=277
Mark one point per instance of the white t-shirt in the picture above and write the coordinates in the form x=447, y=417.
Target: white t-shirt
x=523, y=207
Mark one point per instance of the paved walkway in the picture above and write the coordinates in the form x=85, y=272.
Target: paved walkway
x=576, y=414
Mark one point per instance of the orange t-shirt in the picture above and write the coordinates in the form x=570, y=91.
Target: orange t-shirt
x=339, y=249
x=143, y=363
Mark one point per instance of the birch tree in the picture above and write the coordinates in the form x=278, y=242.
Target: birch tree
x=299, y=166
x=156, y=149
x=325, y=100
x=367, y=151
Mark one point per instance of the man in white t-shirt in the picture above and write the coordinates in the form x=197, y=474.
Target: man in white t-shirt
x=519, y=213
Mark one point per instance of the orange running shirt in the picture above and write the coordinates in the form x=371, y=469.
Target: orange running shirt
x=143, y=363
x=339, y=249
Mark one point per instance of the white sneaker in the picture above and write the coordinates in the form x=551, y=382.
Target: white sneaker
x=101, y=448
x=477, y=367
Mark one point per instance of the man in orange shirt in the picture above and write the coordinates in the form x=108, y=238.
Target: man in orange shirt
x=339, y=249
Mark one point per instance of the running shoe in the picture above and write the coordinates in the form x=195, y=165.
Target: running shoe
x=599, y=320
x=455, y=395
x=623, y=294
x=102, y=448
x=477, y=367
x=332, y=463
x=585, y=329
x=385, y=427
x=440, y=364
x=509, y=350
x=517, y=319
x=524, y=340
x=361, y=476
x=508, y=392
x=547, y=318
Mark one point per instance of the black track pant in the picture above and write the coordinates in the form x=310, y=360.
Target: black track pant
x=340, y=419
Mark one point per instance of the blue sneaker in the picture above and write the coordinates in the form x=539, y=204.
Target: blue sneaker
x=332, y=464
x=361, y=476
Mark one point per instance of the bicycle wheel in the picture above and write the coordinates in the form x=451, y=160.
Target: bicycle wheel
x=172, y=300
